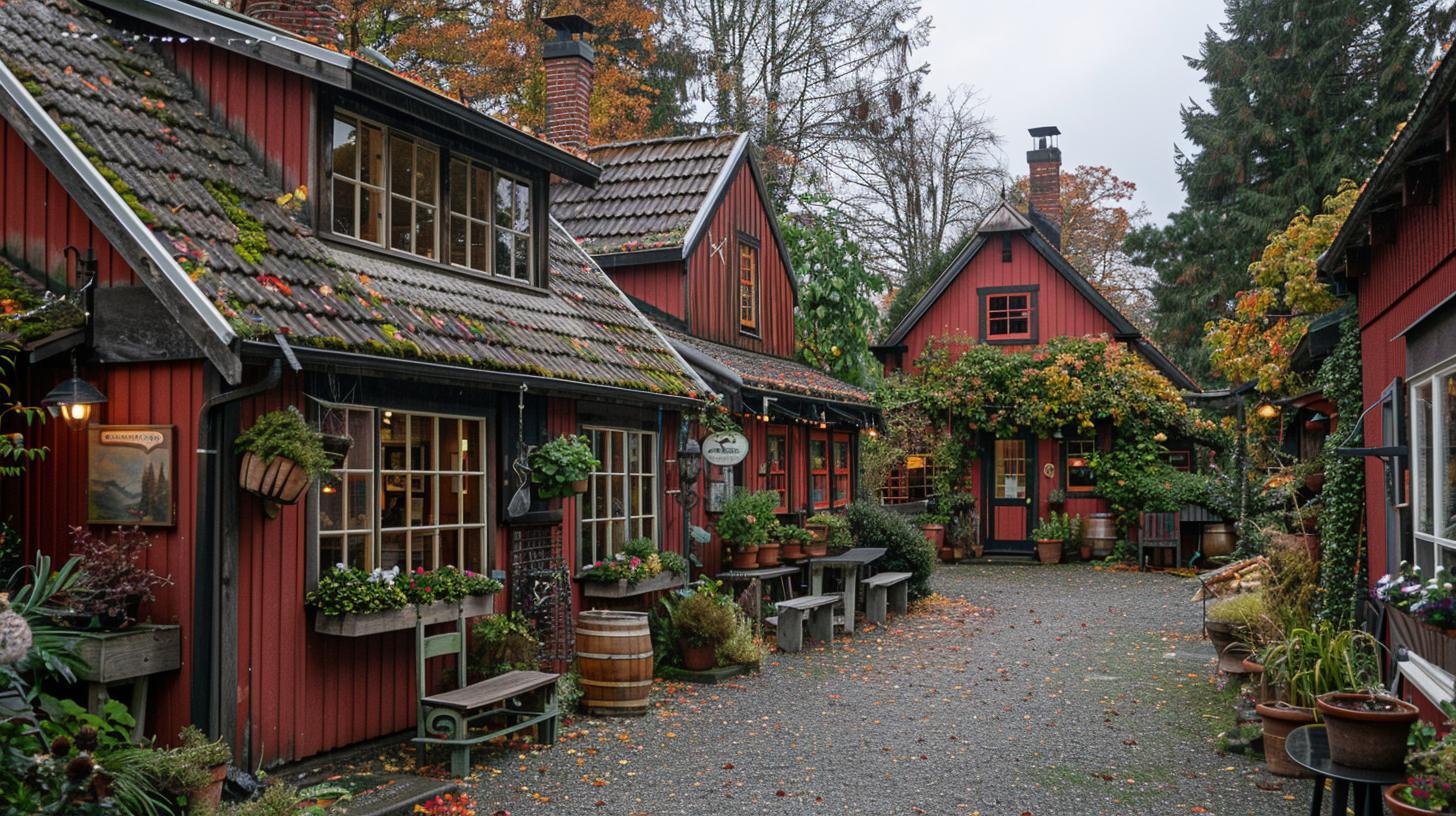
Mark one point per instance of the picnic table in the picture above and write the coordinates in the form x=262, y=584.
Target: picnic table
x=764, y=576
x=848, y=564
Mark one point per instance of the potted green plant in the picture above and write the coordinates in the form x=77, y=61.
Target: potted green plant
x=1367, y=729
x=282, y=456
x=1430, y=785
x=1056, y=497
x=637, y=569
x=745, y=523
x=194, y=769
x=1306, y=663
x=703, y=619
x=561, y=467
x=1050, y=535
x=1231, y=623
x=836, y=537
x=792, y=541
x=353, y=603
x=932, y=526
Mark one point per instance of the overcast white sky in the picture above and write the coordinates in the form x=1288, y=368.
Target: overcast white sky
x=1109, y=73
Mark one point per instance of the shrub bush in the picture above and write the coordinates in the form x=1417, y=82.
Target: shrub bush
x=504, y=643
x=906, y=549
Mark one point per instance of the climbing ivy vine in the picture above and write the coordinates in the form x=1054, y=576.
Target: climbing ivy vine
x=1342, y=536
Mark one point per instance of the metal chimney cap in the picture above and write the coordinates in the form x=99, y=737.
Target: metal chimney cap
x=1046, y=130
x=565, y=25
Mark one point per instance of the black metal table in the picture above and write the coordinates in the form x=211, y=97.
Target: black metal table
x=1309, y=747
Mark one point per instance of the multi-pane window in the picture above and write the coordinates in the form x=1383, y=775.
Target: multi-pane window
x=819, y=469
x=839, y=450
x=1433, y=430
x=1079, y=465
x=399, y=192
x=1010, y=469
x=776, y=466
x=747, y=286
x=512, y=228
x=358, y=179
x=1008, y=316
x=1178, y=459
x=414, y=178
x=911, y=480
x=410, y=493
x=621, y=499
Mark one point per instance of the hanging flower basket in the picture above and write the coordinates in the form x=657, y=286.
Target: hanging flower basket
x=281, y=456
x=281, y=480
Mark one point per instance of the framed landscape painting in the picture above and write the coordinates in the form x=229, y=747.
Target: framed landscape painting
x=130, y=475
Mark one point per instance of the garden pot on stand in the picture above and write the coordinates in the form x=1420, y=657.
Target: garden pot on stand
x=1231, y=652
x=1367, y=731
x=745, y=557
x=818, y=545
x=791, y=550
x=1279, y=720
x=768, y=555
x=1049, y=550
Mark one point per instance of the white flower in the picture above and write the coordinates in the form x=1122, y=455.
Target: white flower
x=340, y=566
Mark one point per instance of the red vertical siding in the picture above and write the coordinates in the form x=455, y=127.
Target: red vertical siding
x=661, y=285
x=712, y=294
x=54, y=498
x=39, y=220
x=271, y=107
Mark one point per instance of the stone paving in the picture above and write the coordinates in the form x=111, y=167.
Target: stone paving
x=1019, y=689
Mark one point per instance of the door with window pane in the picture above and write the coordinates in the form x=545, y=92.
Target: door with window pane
x=1010, y=495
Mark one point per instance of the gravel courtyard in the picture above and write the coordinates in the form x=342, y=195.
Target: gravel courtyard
x=1019, y=689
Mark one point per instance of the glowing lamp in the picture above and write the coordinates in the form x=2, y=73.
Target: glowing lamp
x=1267, y=410
x=72, y=401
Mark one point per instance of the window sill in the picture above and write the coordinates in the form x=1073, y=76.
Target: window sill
x=407, y=259
x=395, y=620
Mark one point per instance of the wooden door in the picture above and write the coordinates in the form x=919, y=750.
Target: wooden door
x=1009, y=494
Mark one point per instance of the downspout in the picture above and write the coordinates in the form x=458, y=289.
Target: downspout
x=208, y=581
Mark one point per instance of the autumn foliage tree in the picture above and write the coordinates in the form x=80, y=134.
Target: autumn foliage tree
x=1272, y=316
x=487, y=53
x=1097, y=213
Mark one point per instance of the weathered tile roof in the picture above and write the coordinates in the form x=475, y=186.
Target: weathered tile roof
x=649, y=192
x=194, y=182
x=768, y=373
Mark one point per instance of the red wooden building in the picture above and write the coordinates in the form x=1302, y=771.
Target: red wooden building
x=1011, y=287
x=685, y=227
x=274, y=223
x=1397, y=253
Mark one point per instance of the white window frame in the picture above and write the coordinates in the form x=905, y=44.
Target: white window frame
x=377, y=472
x=590, y=547
x=1434, y=547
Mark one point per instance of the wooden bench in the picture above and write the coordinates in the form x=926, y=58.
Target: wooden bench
x=790, y=623
x=893, y=587
x=523, y=698
x=1157, y=531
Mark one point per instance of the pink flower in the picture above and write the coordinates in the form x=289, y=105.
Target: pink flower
x=750, y=519
x=419, y=570
x=636, y=562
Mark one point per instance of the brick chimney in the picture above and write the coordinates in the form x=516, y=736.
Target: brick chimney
x=1045, y=180
x=570, y=66
x=314, y=20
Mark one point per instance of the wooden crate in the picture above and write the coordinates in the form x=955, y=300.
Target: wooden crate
x=353, y=625
x=141, y=650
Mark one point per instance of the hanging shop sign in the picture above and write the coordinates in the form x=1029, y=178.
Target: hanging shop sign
x=725, y=449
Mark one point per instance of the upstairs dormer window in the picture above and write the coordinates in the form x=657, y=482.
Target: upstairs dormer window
x=1008, y=314
x=405, y=194
x=747, y=285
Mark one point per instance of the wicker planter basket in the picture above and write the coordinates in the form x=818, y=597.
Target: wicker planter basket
x=282, y=480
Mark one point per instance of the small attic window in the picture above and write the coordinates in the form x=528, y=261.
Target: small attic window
x=1006, y=247
x=1008, y=314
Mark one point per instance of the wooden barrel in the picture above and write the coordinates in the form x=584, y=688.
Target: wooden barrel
x=1100, y=534
x=614, y=657
x=1218, y=539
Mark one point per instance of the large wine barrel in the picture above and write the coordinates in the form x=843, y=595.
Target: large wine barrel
x=1218, y=539
x=614, y=657
x=1100, y=533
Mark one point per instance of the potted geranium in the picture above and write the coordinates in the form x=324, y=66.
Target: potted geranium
x=1051, y=534
x=561, y=467
x=836, y=537
x=1430, y=786
x=744, y=525
x=282, y=455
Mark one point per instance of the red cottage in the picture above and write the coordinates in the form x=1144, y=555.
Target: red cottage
x=1397, y=253
x=261, y=222
x=1011, y=287
x=685, y=227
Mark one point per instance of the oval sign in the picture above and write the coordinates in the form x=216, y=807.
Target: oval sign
x=725, y=449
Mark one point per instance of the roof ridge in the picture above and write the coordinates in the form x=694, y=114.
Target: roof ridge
x=722, y=134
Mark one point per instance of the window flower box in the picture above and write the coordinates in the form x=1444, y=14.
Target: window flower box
x=622, y=589
x=394, y=620
x=1436, y=645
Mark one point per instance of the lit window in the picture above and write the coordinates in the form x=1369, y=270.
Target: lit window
x=840, y=463
x=819, y=469
x=747, y=286
x=1079, y=465
x=776, y=466
x=621, y=499
x=414, y=499
x=1177, y=459
x=1008, y=317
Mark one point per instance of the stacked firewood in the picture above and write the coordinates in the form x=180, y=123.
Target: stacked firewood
x=1241, y=576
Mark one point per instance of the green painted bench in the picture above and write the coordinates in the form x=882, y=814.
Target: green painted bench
x=521, y=698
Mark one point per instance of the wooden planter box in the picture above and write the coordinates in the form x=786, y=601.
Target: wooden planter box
x=144, y=649
x=1435, y=645
x=622, y=589
x=354, y=625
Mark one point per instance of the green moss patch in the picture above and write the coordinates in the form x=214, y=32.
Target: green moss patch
x=252, y=243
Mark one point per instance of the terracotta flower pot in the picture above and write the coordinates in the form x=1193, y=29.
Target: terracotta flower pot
x=206, y=798
x=947, y=554
x=1049, y=551
x=978, y=549
x=934, y=533
x=745, y=557
x=281, y=480
x=768, y=555
x=1084, y=552
x=818, y=548
x=1231, y=652
x=579, y=485
x=698, y=658
x=1315, y=481
x=1279, y=720
x=792, y=550
x=1367, y=731
x=1399, y=807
